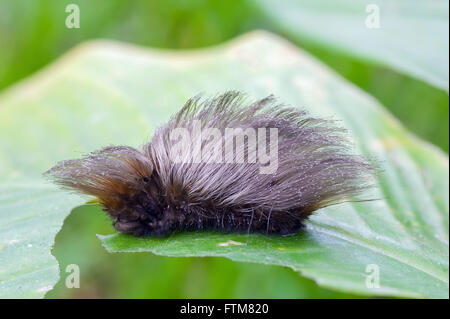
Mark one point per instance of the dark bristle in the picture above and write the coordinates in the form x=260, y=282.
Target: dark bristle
x=147, y=192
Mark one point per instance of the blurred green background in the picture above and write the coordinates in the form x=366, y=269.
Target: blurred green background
x=32, y=34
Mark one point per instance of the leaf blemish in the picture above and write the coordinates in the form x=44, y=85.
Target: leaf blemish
x=45, y=289
x=230, y=242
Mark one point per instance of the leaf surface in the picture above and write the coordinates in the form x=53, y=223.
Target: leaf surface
x=106, y=93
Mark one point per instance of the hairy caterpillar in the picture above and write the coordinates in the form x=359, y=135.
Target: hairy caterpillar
x=148, y=192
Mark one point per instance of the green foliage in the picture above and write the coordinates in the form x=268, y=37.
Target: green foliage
x=408, y=36
x=139, y=275
x=30, y=216
x=41, y=35
x=412, y=39
x=33, y=34
x=107, y=93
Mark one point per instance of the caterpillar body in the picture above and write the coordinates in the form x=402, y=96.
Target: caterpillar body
x=152, y=192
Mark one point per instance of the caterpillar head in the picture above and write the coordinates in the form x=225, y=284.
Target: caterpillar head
x=116, y=175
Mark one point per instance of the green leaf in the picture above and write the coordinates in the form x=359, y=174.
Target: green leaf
x=412, y=37
x=110, y=93
x=31, y=214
